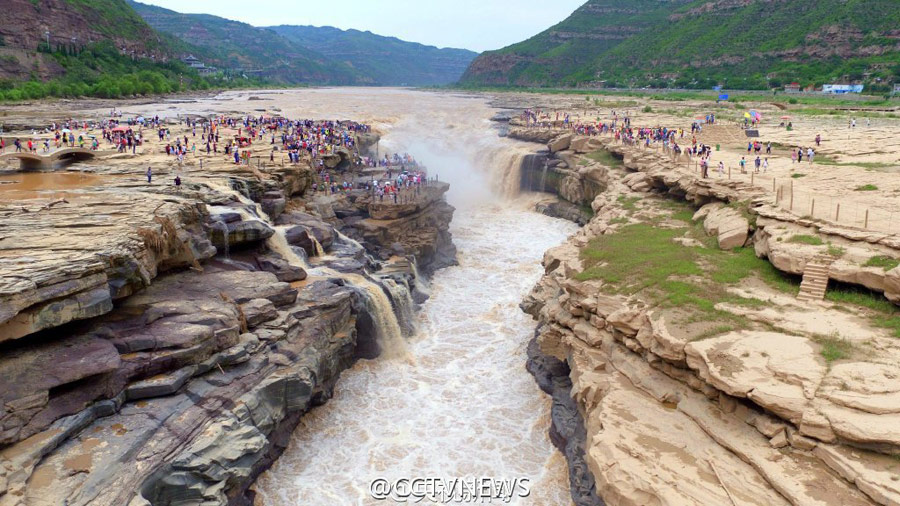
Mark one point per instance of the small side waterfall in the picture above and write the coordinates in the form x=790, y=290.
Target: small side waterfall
x=402, y=297
x=317, y=246
x=544, y=178
x=279, y=244
x=390, y=335
x=390, y=332
x=219, y=225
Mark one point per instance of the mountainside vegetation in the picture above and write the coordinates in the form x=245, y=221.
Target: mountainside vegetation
x=98, y=48
x=387, y=61
x=739, y=44
x=224, y=43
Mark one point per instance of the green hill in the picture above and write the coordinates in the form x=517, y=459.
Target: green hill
x=388, y=61
x=224, y=43
x=69, y=48
x=750, y=44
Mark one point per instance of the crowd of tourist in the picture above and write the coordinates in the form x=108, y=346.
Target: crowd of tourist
x=670, y=140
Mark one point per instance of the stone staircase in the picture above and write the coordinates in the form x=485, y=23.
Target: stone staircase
x=724, y=134
x=815, y=279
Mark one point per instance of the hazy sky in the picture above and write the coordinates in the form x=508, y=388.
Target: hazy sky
x=478, y=25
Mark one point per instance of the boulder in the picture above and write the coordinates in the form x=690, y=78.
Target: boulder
x=281, y=268
x=258, y=311
x=560, y=143
x=729, y=226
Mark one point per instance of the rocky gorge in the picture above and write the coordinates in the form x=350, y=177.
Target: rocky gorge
x=686, y=390
x=161, y=344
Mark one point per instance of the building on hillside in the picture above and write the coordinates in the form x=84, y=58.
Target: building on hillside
x=192, y=62
x=201, y=68
x=841, y=89
x=792, y=88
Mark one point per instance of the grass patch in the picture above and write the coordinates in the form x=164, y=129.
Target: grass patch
x=836, y=251
x=885, y=262
x=867, y=188
x=865, y=165
x=638, y=256
x=619, y=221
x=834, y=348
x=716, y=331
x=797, y=175
x=628, y=203
x=642, y=258
x=887, y=314
x=605, y=157
x=686, y=215
x=806, y=239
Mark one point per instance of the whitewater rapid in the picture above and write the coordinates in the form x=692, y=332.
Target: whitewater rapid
x=464, y=406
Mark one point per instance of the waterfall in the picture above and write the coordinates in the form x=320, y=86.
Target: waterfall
x=390, y=335
x=393, y=419
x=400, y=294
x=278, y=243
x=508, y=179
x=220, y=225
x=348, y=240
x=318, y=251
x=543, y=178
x=421, y=284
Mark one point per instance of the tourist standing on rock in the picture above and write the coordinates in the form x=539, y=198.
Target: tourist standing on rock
x=810, y=154
x=149, y=175
x=743, y=164
x=818, y=140
x=721, y=168
x=758, y=164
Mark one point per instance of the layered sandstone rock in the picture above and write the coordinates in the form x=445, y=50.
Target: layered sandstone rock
x=673, y=421
x=162, y=343
x=747, y=417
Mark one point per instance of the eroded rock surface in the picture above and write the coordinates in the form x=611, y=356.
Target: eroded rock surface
x=745, y=417
x=161, y=344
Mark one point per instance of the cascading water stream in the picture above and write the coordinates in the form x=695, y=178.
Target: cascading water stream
x=544, y=179
x=465, y=406
x=220, y=226
x=390, y=333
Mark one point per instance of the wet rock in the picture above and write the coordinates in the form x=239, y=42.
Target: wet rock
x=242, y=233
x=30, y=373
x=322, y=231
x=258, y=311
x=158, y=386
x=282, y=269
x=79, y=306
x=567, y=429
